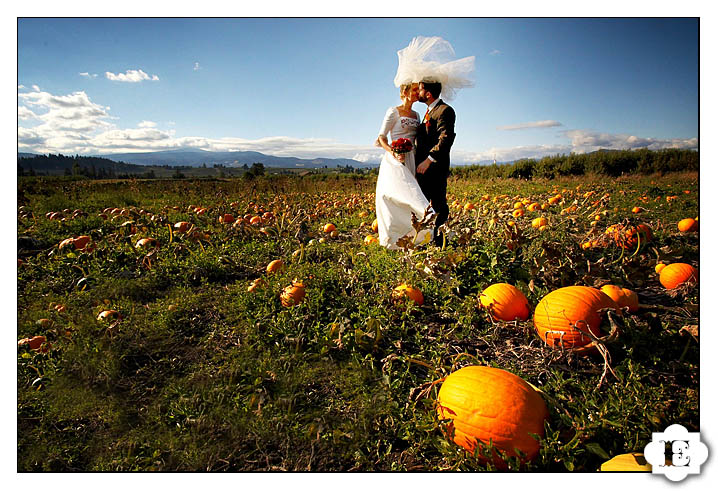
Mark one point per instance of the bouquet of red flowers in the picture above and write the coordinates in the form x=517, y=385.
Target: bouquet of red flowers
x=401, y=145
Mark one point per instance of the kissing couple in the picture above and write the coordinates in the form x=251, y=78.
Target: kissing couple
x=415, y=167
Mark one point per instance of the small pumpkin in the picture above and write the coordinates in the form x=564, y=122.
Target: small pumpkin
x=627, y=462
x=630, y=300
x=146, y=242
x=370, y=239
x=688, y=225
x=82, y=242
x=256, y=284
x=539, y=222
x=293, y=294
x=622, y=296
x=562, y=315
x=375, y=226
x=505, y=302
x=275, y=265
x=407, y=291
x=108, y=314
x=329, y=227
x=35, y=343
x=182, y=227
x=628, y=237
x=678, y=274
x=226, y=218
x=487, y=404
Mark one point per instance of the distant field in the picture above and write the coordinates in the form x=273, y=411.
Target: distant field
x=189, y=370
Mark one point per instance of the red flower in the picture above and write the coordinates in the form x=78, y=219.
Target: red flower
x=401, y=145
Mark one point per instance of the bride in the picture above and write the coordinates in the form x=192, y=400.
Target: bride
x=397, y=191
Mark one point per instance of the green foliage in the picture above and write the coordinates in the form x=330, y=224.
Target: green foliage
x=602, y=162
x=199, y=373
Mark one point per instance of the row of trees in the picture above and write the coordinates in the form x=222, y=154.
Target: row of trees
x=611, y=163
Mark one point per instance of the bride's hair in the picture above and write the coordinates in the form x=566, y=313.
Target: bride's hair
x=404, y=88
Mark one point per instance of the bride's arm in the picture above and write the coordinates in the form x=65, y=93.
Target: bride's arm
x=384, y=143
x=386, y=125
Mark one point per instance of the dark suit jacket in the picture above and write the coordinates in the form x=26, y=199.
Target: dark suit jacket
x=436, y=138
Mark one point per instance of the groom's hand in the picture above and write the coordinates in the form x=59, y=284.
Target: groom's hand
x=423, y=166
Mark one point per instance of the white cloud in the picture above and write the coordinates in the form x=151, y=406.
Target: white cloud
x=25, y=113
x=132, y=76
x=88, y=75
x=588, y=141
x=196, y=66
x=509, y=154
x=494, y=52
x=530, y=125
x=73, y=124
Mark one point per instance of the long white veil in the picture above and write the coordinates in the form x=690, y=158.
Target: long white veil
x=432, y=59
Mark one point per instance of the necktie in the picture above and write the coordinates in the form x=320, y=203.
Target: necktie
x=426, y=119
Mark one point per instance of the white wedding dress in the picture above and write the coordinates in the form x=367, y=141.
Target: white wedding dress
x=397, y=192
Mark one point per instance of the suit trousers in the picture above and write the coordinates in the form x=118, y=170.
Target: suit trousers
x=434, y=188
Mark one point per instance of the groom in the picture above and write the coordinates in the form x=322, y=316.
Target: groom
x=433, y=143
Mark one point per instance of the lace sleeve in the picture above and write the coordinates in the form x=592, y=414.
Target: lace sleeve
x=389, y=120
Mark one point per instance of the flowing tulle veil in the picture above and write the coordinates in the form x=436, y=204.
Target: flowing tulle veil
x=432, y=59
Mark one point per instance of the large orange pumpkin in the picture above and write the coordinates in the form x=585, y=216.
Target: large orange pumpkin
x=561, y=315
x=677, y=274
x=505, y=302
x=488, y=404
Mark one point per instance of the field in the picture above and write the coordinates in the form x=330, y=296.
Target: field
x=158, y=356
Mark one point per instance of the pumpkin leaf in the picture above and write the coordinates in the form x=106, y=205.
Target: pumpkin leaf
x=596, y=449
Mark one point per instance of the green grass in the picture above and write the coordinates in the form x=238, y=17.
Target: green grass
x=200, y=374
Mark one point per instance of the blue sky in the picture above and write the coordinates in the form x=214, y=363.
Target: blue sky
x=311, y=87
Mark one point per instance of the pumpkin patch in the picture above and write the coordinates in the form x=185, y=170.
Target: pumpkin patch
x=156, y=314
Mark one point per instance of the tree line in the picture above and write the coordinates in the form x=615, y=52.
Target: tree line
x=612, y=163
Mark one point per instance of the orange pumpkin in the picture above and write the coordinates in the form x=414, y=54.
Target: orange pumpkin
x=561, y=315
x=505, y=302
x=488, y=404
x=66, y=243
x=370, y=239
x=622, y=296
x=82, y=242
x=147, y=242
x=407, y=291
x=226, y=218
x=630, y=300
x=659, y=267
x=275, y=265
x=678, y=274
x=375, y=226
x=688, y=225
x=108, y=314
x=293, y=294
x=539, y=222
x=35, y=343
x=257, y=283
x=627, y=462
x=329, y=227
x=613, y=291
x=628, y=237
x=182, y=227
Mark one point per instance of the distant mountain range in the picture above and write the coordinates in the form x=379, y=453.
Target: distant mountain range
x=193, y=157
x=196, y=157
